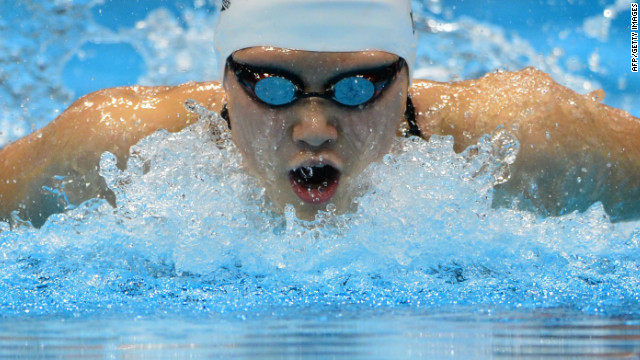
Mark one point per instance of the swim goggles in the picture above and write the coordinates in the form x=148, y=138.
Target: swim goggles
x=278, y=87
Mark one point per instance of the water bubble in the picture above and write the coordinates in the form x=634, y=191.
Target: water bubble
x=191, y=221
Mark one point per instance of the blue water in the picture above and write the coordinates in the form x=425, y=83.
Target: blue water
x=192, y=262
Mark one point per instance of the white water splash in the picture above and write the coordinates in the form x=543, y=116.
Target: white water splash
x=192, y=231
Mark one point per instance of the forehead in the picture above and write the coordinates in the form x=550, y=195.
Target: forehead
x=313, y=61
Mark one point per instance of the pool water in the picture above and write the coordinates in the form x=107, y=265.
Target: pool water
x=192, y=262
x=329, y=333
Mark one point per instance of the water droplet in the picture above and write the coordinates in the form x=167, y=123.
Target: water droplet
x=387, y=159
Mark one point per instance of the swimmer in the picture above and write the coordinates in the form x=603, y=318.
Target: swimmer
x=316, y=90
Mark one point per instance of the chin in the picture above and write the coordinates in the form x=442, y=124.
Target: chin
x=306, y=214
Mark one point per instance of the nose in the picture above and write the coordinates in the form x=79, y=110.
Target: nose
x=314, y=128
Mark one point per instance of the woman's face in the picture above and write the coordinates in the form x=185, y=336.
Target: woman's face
x=306, y=153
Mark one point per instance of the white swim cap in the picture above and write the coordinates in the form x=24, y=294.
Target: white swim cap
x=317, y=25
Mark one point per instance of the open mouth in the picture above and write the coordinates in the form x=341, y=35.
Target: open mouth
x=315, y=184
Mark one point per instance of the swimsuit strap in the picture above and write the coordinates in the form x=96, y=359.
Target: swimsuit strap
x=410, y=117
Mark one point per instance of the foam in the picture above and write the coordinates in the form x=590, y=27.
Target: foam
x=194, y=234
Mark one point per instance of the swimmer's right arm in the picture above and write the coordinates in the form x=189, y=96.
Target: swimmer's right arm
x=68, y=149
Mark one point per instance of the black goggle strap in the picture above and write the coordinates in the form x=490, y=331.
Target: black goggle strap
x=224, y=114
x=410, y=117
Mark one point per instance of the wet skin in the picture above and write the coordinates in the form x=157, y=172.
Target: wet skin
x=559, y=131
x=313, y=132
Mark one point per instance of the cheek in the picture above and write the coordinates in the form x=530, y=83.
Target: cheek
x=258, y=133
x=371, y=131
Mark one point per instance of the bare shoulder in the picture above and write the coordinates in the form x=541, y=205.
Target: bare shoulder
x=70, y=146
x=140, y=109
x=115, y=119
x=528, y=102
x=571, y=145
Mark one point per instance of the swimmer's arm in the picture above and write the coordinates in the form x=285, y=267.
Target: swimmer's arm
x=562, y=134
x=70, y=147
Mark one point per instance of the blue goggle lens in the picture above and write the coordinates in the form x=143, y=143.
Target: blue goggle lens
x=350, y=91
x=353, y=91
x=275, y=90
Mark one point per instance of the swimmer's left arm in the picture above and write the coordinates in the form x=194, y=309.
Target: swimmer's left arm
x=559, y=132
